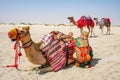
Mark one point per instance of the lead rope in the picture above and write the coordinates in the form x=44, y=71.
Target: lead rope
x=18, y=53
x=17, y=49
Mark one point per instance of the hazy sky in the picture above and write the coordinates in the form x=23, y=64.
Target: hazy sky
x=57, y=11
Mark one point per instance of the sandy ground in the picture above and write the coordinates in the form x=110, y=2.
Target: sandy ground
x=105, y=64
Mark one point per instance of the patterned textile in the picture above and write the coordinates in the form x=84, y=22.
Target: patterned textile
x=71, y=47
x=81, y=22
x=104, y=21
x=47, y=39
x=85, y=21
x=84, y=54
x=55, y=54
x=107, y=20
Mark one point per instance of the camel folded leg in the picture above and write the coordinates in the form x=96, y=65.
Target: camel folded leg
x=44, y=70
x=32, y=67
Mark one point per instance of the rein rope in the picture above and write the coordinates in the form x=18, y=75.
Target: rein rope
x=18, y=53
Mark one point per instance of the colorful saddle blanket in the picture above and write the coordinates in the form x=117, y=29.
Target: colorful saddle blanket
x=55, y=54
x=107, y=20
x=104, y=21
x=85, y=21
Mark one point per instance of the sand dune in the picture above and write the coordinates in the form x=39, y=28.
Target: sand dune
x=105, y=64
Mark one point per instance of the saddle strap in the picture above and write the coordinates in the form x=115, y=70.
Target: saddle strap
x=66, y=51
x=67, y=54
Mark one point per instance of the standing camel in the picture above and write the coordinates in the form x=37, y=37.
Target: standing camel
x=104, y=22
x=82, y=22
x=35, y=55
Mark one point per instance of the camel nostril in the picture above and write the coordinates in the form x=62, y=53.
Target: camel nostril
x=9, y=35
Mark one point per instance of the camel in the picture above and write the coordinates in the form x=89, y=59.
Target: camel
x=104, y=22
x=50, y=56
x=82, y=22
x=33, y=50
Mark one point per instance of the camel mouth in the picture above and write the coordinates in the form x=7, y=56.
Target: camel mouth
x=69, y=18
x=12, y=34
x=13, y=40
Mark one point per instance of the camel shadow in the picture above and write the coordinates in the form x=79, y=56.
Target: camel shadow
x=108, y=34
x=95, y=61
x=69, y=65
x=93, y=36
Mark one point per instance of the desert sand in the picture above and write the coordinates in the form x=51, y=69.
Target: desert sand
x=105, y=64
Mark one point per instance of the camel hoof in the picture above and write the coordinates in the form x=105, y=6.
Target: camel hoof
x=91, y=36
x=39, y=71
x=37, y=68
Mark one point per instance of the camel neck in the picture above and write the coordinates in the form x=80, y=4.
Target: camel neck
x=27, y=44
x=33, y=53
x=96, y=21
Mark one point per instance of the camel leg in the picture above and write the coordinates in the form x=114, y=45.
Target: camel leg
x=91, y=32
x=101, y=27
x=33, y=67
x=44, y=70
x=81, y=29
x=109, y=30
x=49, y=68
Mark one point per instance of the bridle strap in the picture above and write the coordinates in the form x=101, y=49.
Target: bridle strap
x=25, y=45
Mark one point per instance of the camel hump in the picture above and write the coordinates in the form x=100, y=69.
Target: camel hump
x=89, y=17
x=102, y=21
x=107, y=20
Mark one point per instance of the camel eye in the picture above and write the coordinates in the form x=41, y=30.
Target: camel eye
x=21, y=31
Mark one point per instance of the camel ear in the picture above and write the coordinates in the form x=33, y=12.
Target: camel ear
x=96, y=18
x=26, y=28
x=68, y=17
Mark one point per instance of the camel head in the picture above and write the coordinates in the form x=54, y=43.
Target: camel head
x=96, y=19
x=18, y=33
x=71, y=19
x=85, y=34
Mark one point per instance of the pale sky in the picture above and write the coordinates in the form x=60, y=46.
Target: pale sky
x=57, y=11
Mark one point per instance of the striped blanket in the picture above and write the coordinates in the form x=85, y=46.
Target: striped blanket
x=55, y=54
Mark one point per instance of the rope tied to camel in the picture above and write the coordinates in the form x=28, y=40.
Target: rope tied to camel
x=18, y=53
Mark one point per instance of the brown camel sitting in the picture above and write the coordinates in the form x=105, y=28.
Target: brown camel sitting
x=83, y=22
x=104, y=22
x=43, y=56
x=53, y=54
